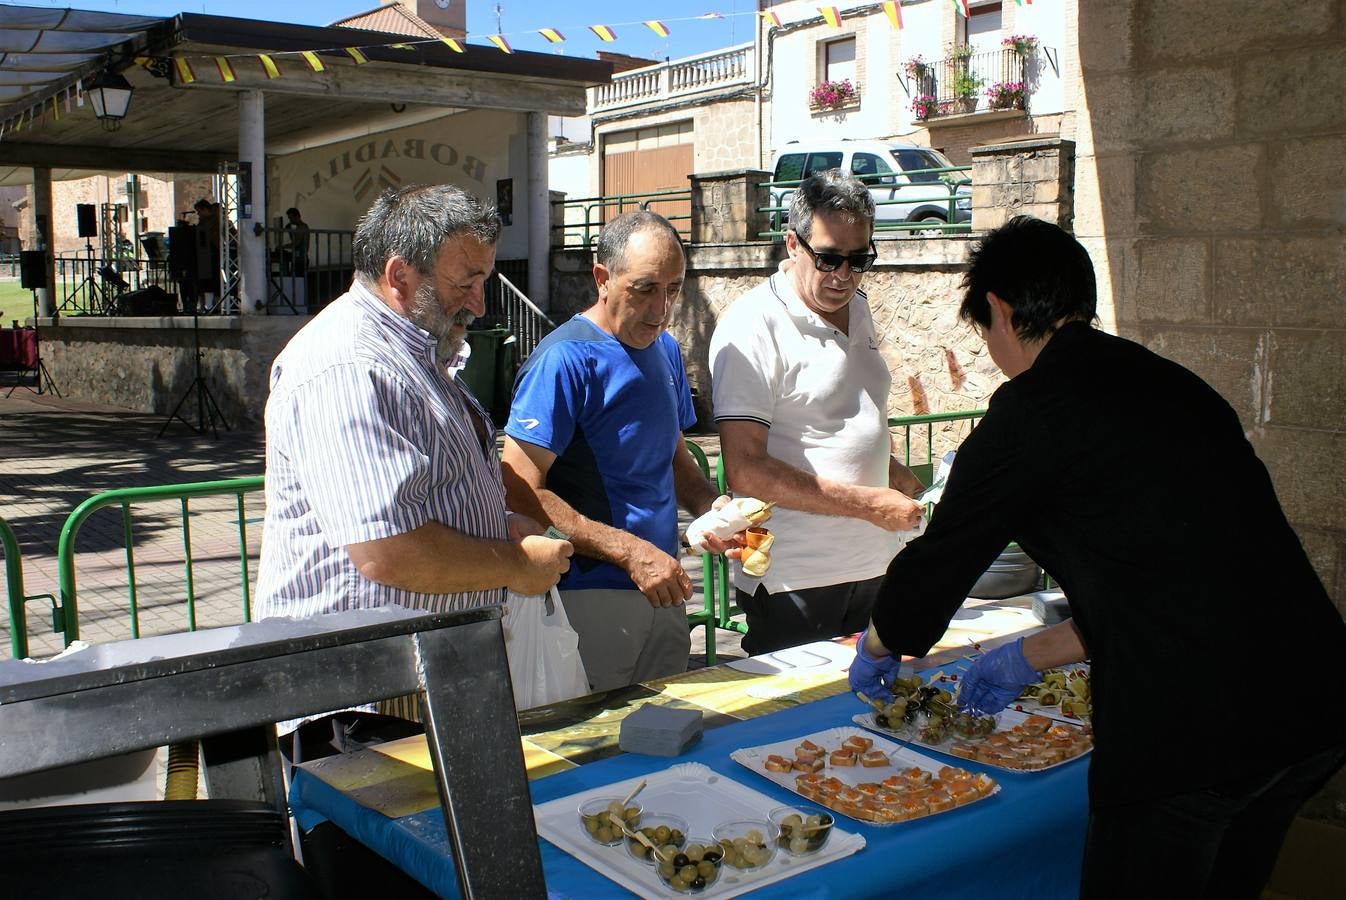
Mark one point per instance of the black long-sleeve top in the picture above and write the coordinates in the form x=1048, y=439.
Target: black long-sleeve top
x=1216, y=652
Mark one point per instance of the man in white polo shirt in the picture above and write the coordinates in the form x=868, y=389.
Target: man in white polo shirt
x=801, y=396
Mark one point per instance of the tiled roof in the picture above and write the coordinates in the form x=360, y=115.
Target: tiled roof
x=394, y=18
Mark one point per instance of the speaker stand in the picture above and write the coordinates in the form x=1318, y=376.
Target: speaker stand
x=97, y=300
x=207, y=410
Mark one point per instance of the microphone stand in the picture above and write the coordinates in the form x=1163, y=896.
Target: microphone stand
x=207, y=410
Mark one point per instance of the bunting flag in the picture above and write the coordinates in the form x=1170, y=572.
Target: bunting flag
x=401, y=46
x=55, y=110
x=831, y=14
x=711, y=16
x=499, y=41
x=186, y=75
x=605, y=34
x=893, y=10
x=269, y=66
x=312, y=59
x=960, y=7
x=772, y=17
x=355, y=54
x=552, y=35
x=451, y=44
x=226, y=69
x=657, y=27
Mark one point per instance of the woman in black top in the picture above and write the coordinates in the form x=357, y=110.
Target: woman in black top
x=1131, y=482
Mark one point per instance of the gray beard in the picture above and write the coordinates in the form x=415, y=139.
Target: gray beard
x=428, y=314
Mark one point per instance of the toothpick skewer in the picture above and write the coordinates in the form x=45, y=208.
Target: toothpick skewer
x=635, y=790
x=638, y=836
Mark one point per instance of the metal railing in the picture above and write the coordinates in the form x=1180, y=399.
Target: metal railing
x=946, y=438
x=14, y=590
x=951, y=186
x=581, y=219
x=304, y=277
x=684, y=77
x=66, y=614
x=510, y=308
x=93, y=285
x=958, y=84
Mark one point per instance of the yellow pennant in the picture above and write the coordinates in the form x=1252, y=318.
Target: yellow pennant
x=312, y=59
x=226, y=69
x=831, y=14
x=55, y=110
x=893, y=10
x=355, y=54
x=269, y=66
x=772, y=17
x=605, y=34
x=499, y=41
x=454, y=45
x=401, y=46
x=658, y=27
x=552, y=35
x=184, y=68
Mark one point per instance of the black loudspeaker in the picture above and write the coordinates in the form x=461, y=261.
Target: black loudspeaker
x=32, y=270
x=87, y=216
x=182, y=257
x=151, y=301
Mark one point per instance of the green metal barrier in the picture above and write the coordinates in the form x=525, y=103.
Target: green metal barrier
x=951, y=180
x=67, y=613
x=18, y=600
x=925, y=470
x=590, y=227
x=707, y=616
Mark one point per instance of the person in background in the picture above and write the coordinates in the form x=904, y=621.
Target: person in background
x=297, y=237
x=382, y=481
x=1190, y=593
x=594, y=446
x=801, y=400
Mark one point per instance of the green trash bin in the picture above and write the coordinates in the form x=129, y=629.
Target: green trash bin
x=489, y=374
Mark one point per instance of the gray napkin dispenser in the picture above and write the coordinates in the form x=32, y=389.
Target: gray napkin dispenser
x=660, y=730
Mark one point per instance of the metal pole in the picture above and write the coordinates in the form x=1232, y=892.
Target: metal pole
x=539, y=213
x=252, y=247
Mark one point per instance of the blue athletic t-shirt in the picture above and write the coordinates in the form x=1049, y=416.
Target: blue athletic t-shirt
x=613, y=416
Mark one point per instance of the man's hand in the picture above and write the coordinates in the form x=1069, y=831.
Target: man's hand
x=544, y=562
x=657, y=575
x=521, y=526
x=894, y=511
x=873, y=675
x=996, y=679
x=731, y=546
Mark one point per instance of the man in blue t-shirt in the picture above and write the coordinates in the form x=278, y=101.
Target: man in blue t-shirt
x=594, y=445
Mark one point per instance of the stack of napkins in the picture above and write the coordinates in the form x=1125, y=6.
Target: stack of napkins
x=660, y=730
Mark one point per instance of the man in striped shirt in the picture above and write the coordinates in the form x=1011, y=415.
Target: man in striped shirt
x=382, y=481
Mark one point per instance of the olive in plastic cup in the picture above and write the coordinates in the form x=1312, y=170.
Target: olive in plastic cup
x=663, y=831
x=595, y=818
x=748, y=844
x=694, y=869
x=803, y=830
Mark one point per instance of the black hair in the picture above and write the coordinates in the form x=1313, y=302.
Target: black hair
x=292, y=211
x=1043, y=273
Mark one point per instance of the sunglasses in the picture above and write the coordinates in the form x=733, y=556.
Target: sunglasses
x=830, y=262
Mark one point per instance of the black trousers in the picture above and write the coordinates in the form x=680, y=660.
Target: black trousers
x=1220, y=843
x=791, y=618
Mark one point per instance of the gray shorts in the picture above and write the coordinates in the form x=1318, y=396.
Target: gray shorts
x=625, y=640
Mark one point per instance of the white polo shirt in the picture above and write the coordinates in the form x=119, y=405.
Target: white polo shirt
x=823, y=395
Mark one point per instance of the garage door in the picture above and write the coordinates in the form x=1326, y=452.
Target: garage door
x=644, y=160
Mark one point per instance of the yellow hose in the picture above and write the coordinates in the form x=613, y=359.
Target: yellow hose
x=183, y=763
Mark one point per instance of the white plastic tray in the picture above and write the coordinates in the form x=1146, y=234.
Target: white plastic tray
x=805, y=659
x=1004, y=721
x=705, y=799
x=902, y=757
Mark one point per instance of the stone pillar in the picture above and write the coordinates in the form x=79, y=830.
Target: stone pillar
x=725, y=206
x=558, y=217
x=252, y=247
x=539, y=213
x=1032, y=177
x=41, y=212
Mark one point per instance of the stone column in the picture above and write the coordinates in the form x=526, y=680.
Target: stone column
x=41, y=212
x=1032, y=177
x=725, y=206
x=252, y=247
x=539, y=213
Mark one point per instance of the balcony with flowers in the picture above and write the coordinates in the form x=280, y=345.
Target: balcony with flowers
x=964, y=83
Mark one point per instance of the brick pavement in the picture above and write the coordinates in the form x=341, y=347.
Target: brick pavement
x=56, y=453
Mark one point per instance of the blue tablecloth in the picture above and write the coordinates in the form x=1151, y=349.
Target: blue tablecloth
x=1027, y=841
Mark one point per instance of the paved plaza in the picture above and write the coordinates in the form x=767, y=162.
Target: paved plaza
x=55, y=454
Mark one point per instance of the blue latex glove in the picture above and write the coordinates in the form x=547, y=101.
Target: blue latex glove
x=873, y=675
x=996, y=679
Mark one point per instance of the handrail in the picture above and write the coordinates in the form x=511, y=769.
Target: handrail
x=589, y=204
x=929, y=420
x=525, y=320
x=677, y=78
x=67, y=613
x=954, y=190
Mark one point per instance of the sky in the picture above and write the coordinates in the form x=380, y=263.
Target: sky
x=519, y=20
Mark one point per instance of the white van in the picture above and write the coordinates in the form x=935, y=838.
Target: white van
x=903, y=190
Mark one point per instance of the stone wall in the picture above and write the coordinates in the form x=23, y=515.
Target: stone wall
x=145, y=364
x=1211, y=193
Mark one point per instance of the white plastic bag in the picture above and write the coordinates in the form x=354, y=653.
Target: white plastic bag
x=543, y=650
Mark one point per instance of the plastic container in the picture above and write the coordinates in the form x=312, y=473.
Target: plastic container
x=203, y=849
x=703, y=855
x=594, y=819
x=803, y=830
x=748, y=844
x=653, y=826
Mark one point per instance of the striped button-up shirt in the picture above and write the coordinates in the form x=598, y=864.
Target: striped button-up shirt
x=367, y=438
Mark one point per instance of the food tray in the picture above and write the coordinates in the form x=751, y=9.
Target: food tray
x=953, y=678
x=1004, y=721
x=902, y=757
x=705, y=799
